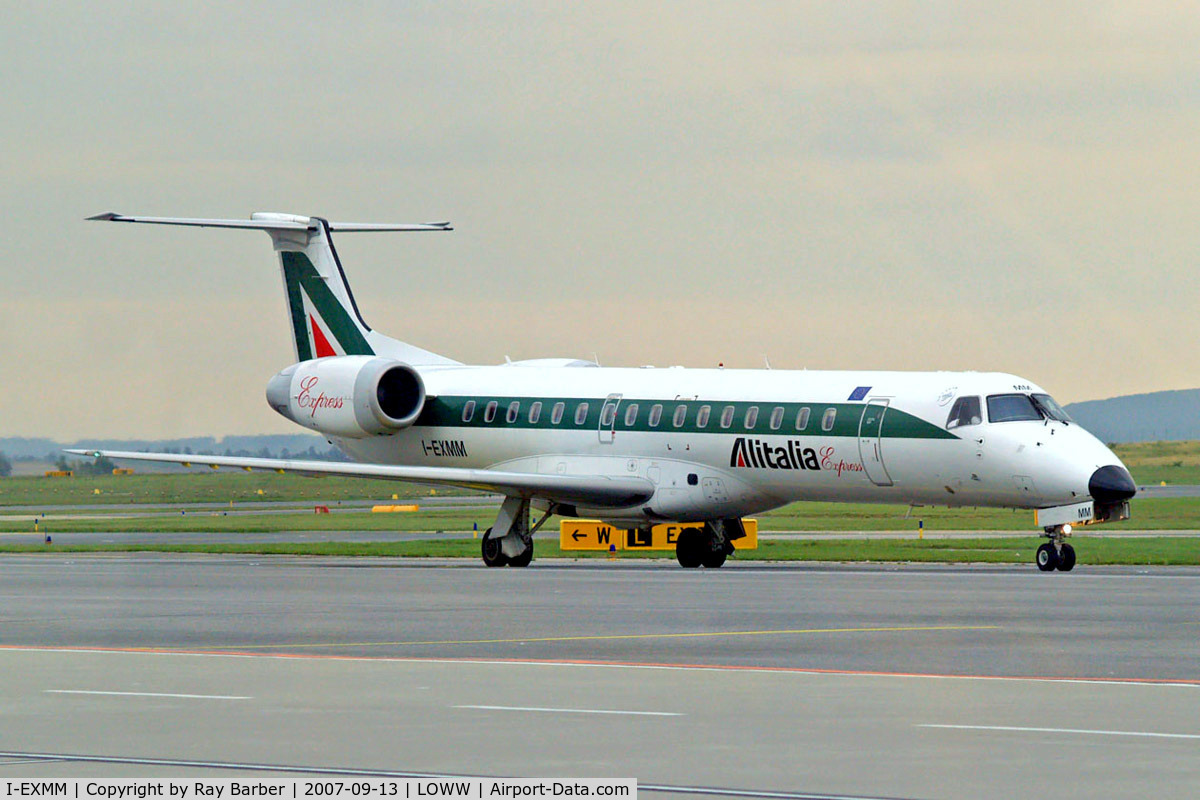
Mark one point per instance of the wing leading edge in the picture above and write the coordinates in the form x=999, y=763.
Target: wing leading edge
x=585, y=490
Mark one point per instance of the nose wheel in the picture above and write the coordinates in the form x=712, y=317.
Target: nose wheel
x=1056, y=554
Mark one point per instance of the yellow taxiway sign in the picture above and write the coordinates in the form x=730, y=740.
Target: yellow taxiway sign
x=591, y=534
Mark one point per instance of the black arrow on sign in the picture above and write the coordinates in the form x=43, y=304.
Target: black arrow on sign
x=577, y=536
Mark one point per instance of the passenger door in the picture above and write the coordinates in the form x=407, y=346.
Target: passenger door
x=608, y=418
x=870, y=427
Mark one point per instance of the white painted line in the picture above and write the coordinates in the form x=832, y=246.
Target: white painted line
x=576, y=711
x=1081, y=731
x=150, y=694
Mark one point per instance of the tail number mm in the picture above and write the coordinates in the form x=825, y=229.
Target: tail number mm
x=37, y=789
x=445, y=448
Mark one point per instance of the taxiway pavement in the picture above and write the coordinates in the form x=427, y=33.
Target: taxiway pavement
x=921, y=682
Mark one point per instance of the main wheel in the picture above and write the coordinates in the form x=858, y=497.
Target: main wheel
x=493, y=554
x=712, y=559
x=1066, y=558
x=1047, y=557
x=523, y=559
x=688, y=548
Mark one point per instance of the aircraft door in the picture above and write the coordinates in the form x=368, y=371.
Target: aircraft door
x=869, y=445
x=608, y=418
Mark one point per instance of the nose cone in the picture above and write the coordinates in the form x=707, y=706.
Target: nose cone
x=1111, y=484
x=279, y=390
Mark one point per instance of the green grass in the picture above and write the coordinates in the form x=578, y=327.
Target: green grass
x=1152, y=463
x=1160, y=551
x=1181, y=513
x=218, y=486
x=216, y=522
x=1155, y=514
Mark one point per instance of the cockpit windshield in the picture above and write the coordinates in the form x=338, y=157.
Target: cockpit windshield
x=1051, y=409
x=1012, y=408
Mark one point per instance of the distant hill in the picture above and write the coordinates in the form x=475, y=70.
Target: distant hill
x=1158, y=416
x=273, y=446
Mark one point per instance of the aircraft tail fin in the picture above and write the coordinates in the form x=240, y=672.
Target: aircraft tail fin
x=325, y=319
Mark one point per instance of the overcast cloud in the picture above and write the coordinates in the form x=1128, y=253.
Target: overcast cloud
x=927, y=185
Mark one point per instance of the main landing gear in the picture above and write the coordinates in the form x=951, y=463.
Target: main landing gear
x=509, y=543
x=709, y=545
x=1056, y=553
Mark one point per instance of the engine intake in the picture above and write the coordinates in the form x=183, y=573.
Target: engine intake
x=353, y=396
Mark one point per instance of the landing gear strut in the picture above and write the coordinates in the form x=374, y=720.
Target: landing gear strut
x=510, y=541
x=1056, y=553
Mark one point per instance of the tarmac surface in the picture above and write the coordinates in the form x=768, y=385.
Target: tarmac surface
x=755, y=680
x=360, y=536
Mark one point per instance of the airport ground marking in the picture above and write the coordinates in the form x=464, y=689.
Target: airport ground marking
x=625, y=636
x=1178, y=683
x=149, y=694
x=1079, y=731
x=539, y=709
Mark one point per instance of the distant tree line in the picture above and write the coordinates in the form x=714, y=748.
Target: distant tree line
x=104, y=466
x=86, y=466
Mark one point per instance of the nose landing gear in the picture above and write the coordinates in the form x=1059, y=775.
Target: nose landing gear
x=1056, y=553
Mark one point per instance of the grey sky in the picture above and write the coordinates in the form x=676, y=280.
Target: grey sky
x=926, y=185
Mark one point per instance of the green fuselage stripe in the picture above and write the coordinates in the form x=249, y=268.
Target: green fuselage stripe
x=448, y=412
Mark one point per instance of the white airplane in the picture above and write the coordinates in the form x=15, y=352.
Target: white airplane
x=637, y=447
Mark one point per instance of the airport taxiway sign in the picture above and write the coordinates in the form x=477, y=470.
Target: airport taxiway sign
x=591, y=534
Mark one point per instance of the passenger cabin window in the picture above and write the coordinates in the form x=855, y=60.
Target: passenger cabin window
x=802, y=419
x=965, y=411
x=655, y=415
x=608, y=416
x=468, y=411
x=556, y=414
x=535, y=412
x=680, y=416
x=581, y=413
x=751, y=417
x=828, y=419
x=702, y=416
x=1012, y=408
x=727, y=416
x=631, y=415
x=776, y=418
x=514, y=409
x=489, y=412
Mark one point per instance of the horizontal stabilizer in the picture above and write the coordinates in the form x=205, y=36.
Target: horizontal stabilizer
x=585, y=490
x=276, y=222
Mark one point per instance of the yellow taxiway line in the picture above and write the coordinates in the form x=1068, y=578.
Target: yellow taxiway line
x=626, y=636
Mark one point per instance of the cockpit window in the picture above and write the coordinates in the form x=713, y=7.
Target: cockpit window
x=965, y=411
x=1012, y=408
x=1051, y=409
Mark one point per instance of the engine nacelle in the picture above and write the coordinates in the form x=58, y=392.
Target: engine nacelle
x=354, y=396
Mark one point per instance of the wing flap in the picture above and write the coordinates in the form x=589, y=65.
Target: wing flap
x=587, y=490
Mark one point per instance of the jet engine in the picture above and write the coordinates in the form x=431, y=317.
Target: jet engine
x=353, y=396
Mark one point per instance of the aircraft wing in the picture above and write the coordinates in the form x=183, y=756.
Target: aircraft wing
x=586, y=490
